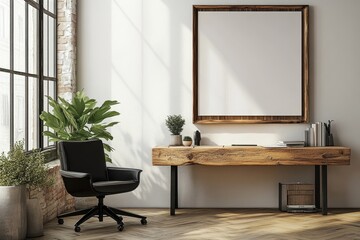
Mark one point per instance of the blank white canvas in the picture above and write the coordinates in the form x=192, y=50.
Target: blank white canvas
x=249, y=63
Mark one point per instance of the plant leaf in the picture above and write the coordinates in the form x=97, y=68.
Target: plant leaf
x=79, y=105
x=70, y=117
x=108, y=148
x=53, y=136
x=50, y=120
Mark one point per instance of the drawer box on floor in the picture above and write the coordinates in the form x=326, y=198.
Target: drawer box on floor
x=296, y=195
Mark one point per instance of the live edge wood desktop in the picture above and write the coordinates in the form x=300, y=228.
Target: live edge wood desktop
x=320, y=157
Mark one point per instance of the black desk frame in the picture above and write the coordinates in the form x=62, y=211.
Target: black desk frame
x=174, y=204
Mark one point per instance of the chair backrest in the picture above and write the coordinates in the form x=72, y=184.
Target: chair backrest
x=84, y=156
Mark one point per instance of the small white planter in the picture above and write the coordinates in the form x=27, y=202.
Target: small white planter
x=187, y=143
x=175, y=140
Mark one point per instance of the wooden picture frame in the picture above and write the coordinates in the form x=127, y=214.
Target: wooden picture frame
x=222, y=35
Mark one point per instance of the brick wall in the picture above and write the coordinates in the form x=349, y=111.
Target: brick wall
x=66, y=57
x=54, y=200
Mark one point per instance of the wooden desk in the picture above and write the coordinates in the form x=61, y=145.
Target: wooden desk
x=252, y=156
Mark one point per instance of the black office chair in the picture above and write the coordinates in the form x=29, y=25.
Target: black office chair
x=85, y=174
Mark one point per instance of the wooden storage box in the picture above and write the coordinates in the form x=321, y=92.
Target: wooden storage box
x=296, y=195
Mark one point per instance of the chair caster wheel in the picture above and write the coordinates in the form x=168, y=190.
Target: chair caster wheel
x=120, y=227
x=143, y=221
x=60, y=221
x=77, y=229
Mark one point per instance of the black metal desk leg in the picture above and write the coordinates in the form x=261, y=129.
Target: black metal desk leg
x=176, y=189
x=173, y=190
x=324, y=189
x=317, y=187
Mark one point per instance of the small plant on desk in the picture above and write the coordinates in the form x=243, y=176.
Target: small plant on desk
x=175, y=124
x=187, y=141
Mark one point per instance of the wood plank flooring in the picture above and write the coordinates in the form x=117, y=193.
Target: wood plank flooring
x=215, y=224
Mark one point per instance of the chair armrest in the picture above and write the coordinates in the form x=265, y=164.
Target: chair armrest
x=72, y=174
x=123, y=174
x=78, y=184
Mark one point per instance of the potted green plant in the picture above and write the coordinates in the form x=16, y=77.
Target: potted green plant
x=187, y=141
x=175, y=124
x=19, y=171
x=79, y=120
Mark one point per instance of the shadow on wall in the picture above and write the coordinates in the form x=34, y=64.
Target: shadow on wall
x=169, y=96
x=139, y=148
x=94, y=49
x=152, y=177
x=99, y=76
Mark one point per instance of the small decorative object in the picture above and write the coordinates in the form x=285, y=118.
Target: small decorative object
x=187, y=141
x=20, y=170
x=175, y=124
x=307, y=137
x=197, y=138
x=329, y=139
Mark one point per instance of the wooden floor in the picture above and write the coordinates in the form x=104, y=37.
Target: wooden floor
x=216, y=224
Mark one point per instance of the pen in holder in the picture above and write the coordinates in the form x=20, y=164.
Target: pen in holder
x=329, y=139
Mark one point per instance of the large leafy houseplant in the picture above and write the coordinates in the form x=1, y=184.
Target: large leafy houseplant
x=79, y=120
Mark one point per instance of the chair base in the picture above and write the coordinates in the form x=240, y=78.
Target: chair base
x=100, y=210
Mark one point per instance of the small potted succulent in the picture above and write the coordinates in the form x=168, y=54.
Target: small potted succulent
x=187, y=141
x=175, y=124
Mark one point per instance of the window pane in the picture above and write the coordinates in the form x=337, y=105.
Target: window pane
x=52, y=6
x=52, y=47
x=45, y=48
x=52, y=95
x=46, y=4
x=5, y=34
x=4, y=112
x=19, y=35
x=46, y=93
x=51, y=92
x=33, y=118
x=45, y=108
x=33, y=38
x=19, y=107
x=22, y=105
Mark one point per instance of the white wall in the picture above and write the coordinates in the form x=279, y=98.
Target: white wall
x=139, y=52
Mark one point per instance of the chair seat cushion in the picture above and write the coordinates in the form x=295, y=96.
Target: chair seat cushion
x=112, y=187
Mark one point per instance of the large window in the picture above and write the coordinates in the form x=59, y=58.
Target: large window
x=27, y=70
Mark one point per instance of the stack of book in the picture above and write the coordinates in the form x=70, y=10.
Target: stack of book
x=291, y=143
x=315, y=135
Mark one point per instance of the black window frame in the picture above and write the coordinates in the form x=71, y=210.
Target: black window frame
x=49, y=151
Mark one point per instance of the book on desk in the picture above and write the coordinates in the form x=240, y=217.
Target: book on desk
x=291, y=143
